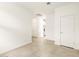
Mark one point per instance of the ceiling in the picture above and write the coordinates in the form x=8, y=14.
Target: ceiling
x=38, y=7
x=42, y=7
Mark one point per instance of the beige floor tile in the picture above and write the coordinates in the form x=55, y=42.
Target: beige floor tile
x=42, y=48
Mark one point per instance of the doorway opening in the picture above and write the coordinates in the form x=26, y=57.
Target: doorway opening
x=39, y=26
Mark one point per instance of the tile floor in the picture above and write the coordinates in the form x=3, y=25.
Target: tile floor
x=41, y=47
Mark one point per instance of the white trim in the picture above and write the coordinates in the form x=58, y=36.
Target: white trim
x=17, y=46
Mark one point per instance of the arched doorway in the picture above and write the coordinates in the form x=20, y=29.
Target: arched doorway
x=39, y=25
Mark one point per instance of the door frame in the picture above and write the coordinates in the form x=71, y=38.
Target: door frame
x=73, y=29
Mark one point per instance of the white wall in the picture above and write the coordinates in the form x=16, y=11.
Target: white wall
x=40, y=27
x=34, y=28
x=37, y=26
x=15, y=27
x=71, y=9
x=50, y=26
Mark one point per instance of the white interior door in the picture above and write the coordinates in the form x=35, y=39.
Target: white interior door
x=67, y=30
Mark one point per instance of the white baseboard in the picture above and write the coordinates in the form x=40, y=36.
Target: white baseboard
x=17, y=46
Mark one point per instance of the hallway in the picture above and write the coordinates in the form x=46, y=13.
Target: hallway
x=41, y=47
